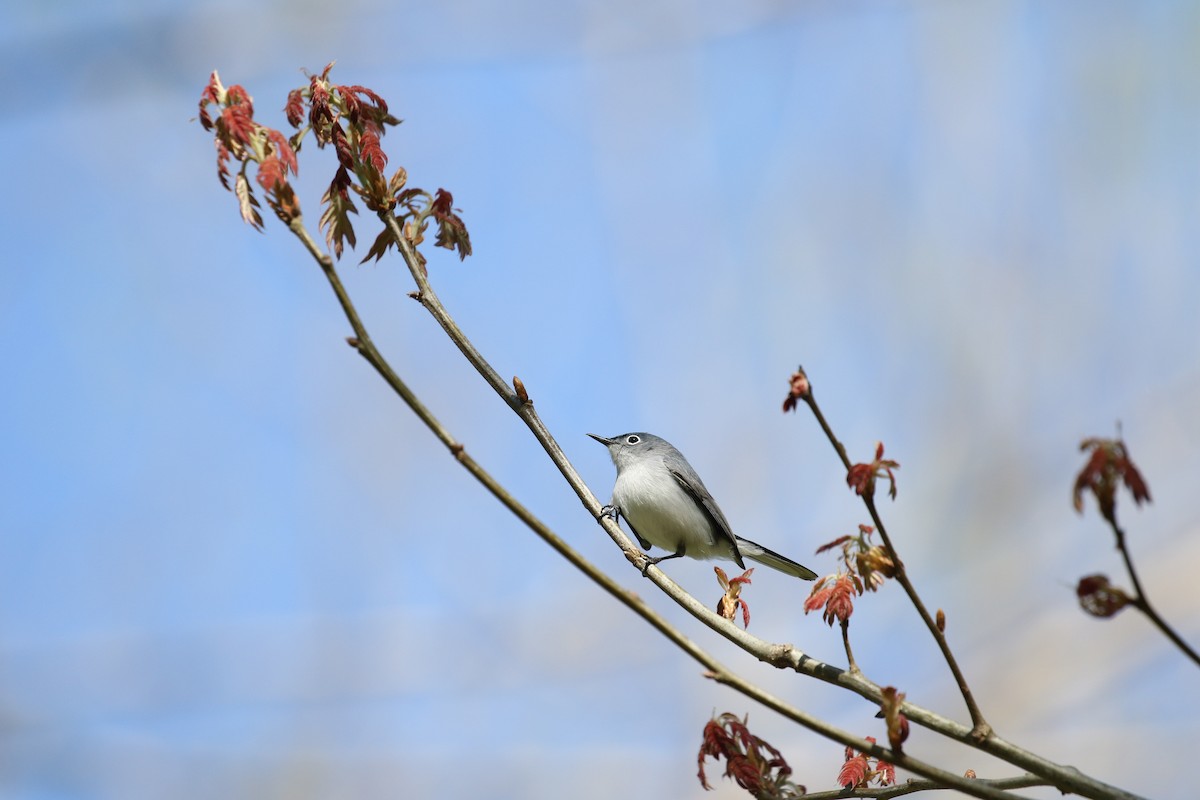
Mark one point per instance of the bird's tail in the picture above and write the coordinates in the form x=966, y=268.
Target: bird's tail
x=770, y=558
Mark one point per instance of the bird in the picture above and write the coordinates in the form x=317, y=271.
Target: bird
x=666, y=505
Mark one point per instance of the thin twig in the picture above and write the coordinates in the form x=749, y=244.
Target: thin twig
x=1142, y=602
x=980, y=727
x=850, y=662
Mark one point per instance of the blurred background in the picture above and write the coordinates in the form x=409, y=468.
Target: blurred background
x=232, y=564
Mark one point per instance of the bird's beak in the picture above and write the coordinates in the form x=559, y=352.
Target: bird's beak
x=601, y=439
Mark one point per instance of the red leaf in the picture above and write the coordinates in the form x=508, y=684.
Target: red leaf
x=797, y=391
x=342, y=146
x=238, y=124
x=452, y=232
x=375, y=99
x=335, y=220
x=835, y=543
x=271, y=172
x=320, y=116
x=372, y=153
x=350, y=103
x=294, y=110
x=237, y=96
x=1108, y=465
x=854, y=772
x=211, y=95
x=283, y=149
x=836, y=594
x=223, y=157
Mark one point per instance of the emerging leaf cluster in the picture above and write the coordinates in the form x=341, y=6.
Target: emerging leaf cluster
x=353, y=120
x=732, y=600
x=754, y=764
x=865, y=567
x=1107, y=468
x=857, y=771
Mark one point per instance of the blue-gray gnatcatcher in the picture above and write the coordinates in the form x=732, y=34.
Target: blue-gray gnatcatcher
x=665, y=504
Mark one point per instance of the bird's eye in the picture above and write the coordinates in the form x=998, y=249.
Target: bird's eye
x=632, y=439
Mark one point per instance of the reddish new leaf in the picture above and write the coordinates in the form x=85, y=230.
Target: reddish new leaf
x=853, y=774
x=341, y=146
x=335, y=220
x=834, y=593
x=283, y=149
x=835, y=543
x=861, y=477
x=452, y=232
x=211, y=95
x=1108, y=466
x=372, y=152
x=375, y=99
x=271, y=172
x=294, y=110
x=237, y=125
x=223, y=156
x=798, y=390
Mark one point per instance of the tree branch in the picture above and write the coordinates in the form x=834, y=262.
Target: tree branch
x=909, y=787
x=980, y=727
x=363, y=344
x=1142, y=602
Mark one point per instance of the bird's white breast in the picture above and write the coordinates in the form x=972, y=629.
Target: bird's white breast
x=662, y=513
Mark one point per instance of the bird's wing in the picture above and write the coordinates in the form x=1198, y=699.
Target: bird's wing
x=695, y=489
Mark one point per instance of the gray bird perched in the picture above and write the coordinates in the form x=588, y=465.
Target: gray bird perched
x=666, y=505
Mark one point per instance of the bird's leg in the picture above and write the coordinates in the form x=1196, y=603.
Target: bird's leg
x=656, y=561
x=610, y=511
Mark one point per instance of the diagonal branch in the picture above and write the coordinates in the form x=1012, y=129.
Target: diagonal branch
x=1143, y=602
x=981, y=730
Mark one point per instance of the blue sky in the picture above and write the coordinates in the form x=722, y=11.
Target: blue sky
x=232, y=564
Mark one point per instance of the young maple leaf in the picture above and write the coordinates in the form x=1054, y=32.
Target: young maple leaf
x=452, y=232
x=731, y=601
x=371, y=150
x=854, y=771
x=335, y=220
x=861, y=477
x=835, y=593
x=1108, y=466
x=752, y=763
x=798, y=389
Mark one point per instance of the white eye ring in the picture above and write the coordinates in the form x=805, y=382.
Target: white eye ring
x=632, y=439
